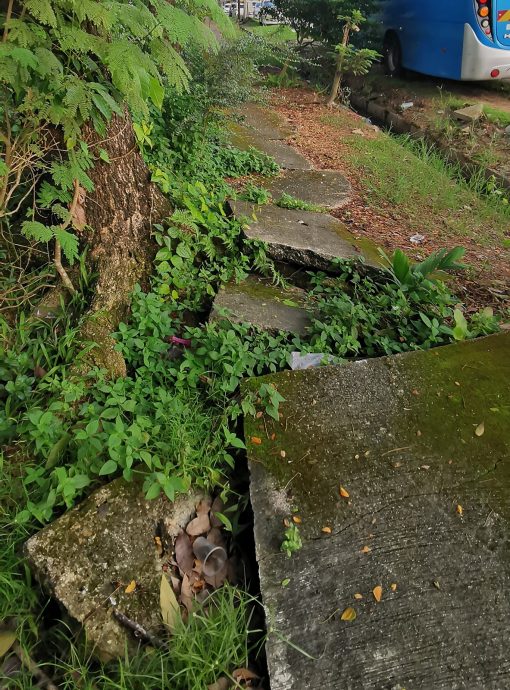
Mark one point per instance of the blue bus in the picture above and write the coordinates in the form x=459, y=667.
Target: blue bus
x=454, y=39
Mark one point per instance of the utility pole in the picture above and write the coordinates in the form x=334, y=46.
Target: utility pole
x=238, y=11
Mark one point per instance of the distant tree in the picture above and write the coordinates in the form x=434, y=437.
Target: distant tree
x=350, y=58
x=318, y=19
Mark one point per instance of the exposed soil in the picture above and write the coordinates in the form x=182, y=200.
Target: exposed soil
x=327, y=146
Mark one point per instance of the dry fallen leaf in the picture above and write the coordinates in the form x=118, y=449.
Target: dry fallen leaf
x=169, y=607
x=480, y=429
x=256, y=440
x=186, y=593
x=286, y=522
x=183, y=552
x=358, y=596
x=348, y=615
x=159, y=545
x=459, y=509
x=297, y=519
x=366, y=549
x=273, y=437
x=343, y=492
x=131, y=587
x=326, y=530
x=7, y=639
x=283, y=454
x=393, y=587
x=199, y=525
x=377, y=592
x=204, y=506
x=221, y=684
x=259, y=414
x=244, y=674
x=436, y=584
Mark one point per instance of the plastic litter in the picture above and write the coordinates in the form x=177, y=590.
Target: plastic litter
x=417, y=239
x=299, y=361
x=407, y=105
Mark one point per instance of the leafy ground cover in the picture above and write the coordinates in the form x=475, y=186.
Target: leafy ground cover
x=173, y=419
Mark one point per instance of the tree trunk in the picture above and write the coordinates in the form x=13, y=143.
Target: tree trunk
x=120, y=211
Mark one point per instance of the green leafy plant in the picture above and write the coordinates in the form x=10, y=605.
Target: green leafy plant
x=255, y=194
x=349, y=58
x=292, y=541
x=291, y=202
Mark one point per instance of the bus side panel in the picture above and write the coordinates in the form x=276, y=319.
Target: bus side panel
x=429, y=44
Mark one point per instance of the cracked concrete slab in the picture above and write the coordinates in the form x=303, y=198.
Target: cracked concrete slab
x=326, y=188
x=305, y=238
x=258, y=302
x=285, y=155
x=265, y=122
x=108, y=539
x=424, y=513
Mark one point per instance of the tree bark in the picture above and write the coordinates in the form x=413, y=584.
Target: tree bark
x=121, y=211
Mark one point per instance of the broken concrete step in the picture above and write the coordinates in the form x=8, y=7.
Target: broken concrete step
x=267, y=123
x=286, y=156
x=423, y=513
x=257, y=302
x=326, y=188
x=109, y=538
x=471, y=113
x=308, y=239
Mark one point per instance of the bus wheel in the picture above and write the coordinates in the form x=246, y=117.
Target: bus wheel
x=392, y=55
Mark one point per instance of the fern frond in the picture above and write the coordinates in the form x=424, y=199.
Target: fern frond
x=68, y=242
x=34, y=230
x=171, y=64
x=41, y=10
x=25, y=34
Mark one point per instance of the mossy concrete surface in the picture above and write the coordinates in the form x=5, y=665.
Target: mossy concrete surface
x=305, y=238
x=286, y=156
x=399, y=469
x=267, y=123
x=98, y=548
x=326, y=188
x=257, y=302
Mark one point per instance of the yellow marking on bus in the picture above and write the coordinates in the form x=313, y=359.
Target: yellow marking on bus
x=504, y=16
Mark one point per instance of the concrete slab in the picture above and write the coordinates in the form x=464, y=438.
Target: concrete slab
x=108, y=539
x=425, y=514
x=326, y=188
x=261, y=304
x=471, y=113
x=267, y=123
x=301, y=237
x=286, y=156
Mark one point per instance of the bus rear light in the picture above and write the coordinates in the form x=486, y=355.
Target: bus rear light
x=495, y=73
x=483, y=13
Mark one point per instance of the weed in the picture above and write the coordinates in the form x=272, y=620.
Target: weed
x=291, y=202
x=292, y=540
x=255, y=194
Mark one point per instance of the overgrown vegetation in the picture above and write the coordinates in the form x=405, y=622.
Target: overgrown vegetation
x=173, y=420
x=427, y=187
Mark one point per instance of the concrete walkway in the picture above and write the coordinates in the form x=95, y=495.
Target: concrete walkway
x=399, y=470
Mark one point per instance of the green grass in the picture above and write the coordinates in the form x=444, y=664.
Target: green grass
x=500, y=118
x=213, y=643
x=413, y=177
x=276, y=33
